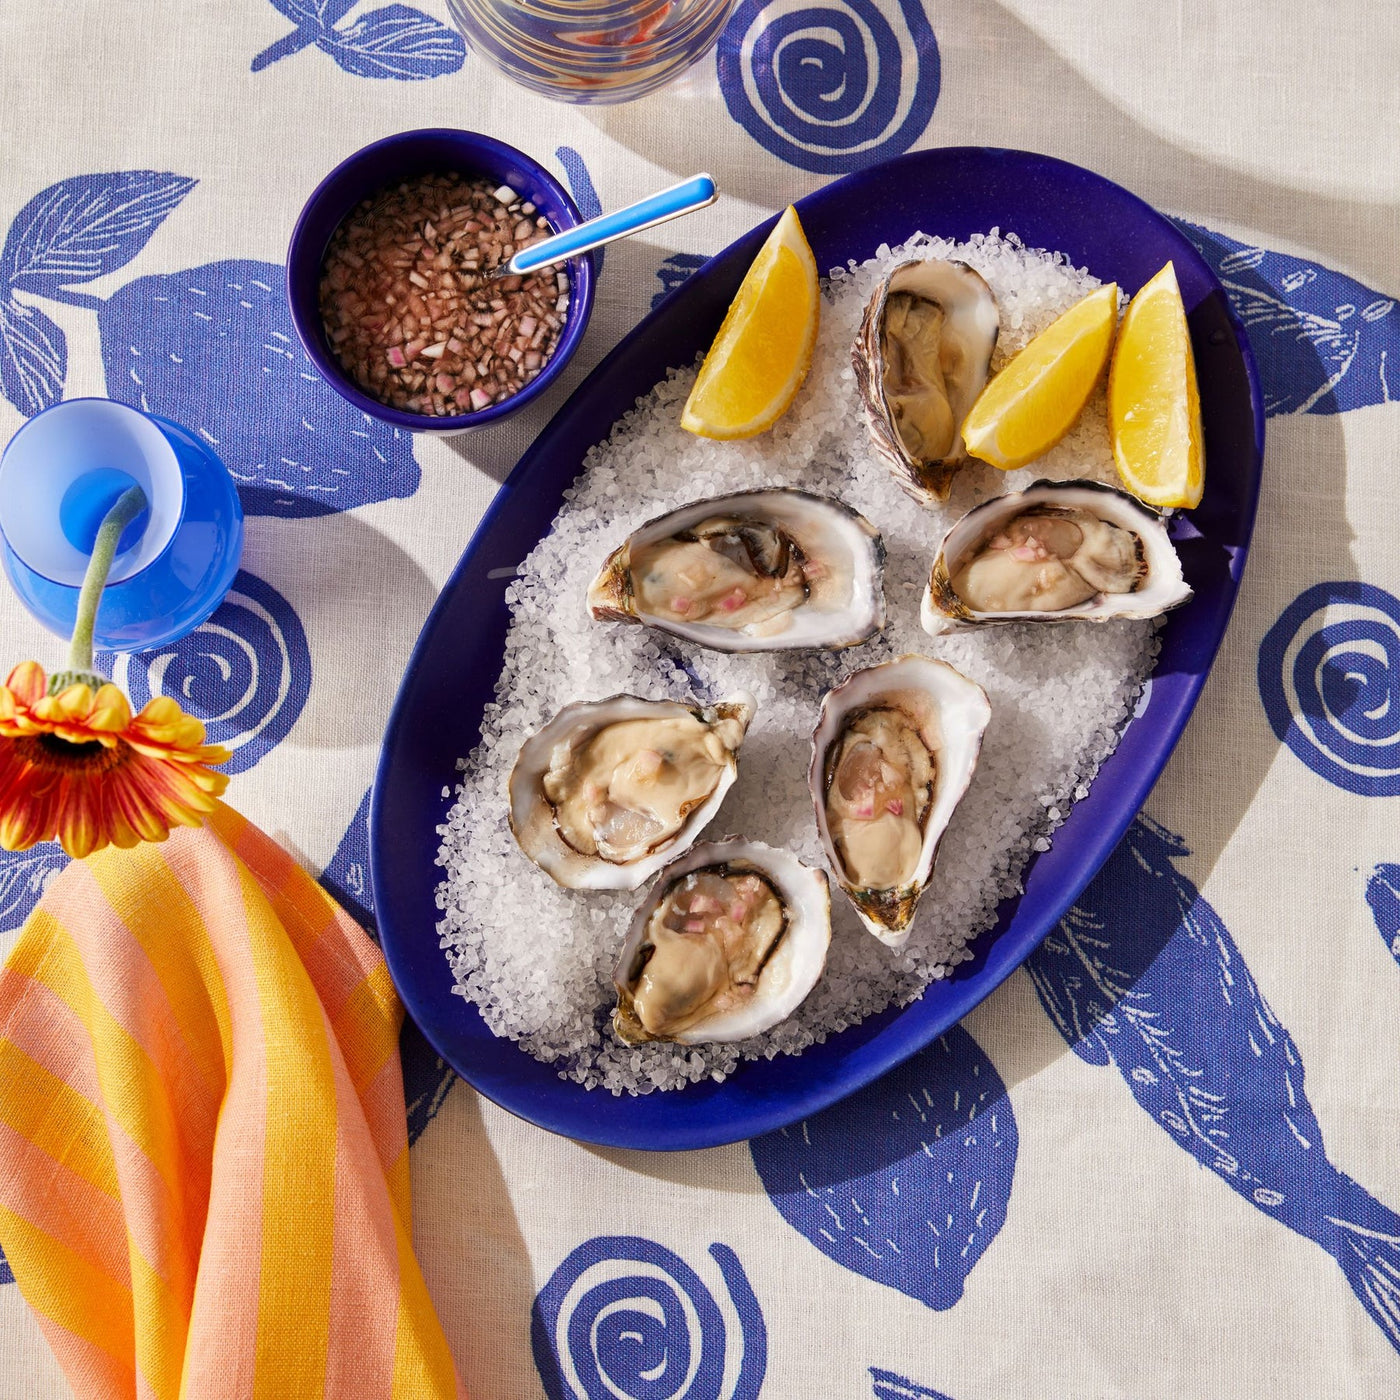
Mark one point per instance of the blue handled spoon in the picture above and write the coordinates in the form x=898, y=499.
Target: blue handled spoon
x=684, y=198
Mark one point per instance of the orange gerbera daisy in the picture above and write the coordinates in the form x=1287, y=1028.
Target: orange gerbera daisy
x=78, y=768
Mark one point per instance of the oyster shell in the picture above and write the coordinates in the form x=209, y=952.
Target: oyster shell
x=892, y=755
x=609, y=790
x=921, y=359
x=730, y=940
x=766, y=570
x=1059, y=551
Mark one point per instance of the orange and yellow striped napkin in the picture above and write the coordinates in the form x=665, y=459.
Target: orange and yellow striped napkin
x=203, y=1151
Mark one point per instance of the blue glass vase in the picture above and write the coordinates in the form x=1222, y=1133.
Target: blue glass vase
x=59, y=476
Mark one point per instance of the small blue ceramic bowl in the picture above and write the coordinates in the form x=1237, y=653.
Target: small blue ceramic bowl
x=386, y=162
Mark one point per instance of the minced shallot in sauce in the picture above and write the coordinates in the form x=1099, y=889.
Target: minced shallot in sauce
x=409, y=310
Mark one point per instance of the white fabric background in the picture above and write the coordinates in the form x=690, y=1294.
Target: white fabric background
x=1123, y=1269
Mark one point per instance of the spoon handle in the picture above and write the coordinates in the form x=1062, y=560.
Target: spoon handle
x=671, y=203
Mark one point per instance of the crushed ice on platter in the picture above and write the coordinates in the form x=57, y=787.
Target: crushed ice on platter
x=537, y=959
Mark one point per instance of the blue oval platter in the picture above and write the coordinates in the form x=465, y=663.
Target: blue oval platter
x=952, y=192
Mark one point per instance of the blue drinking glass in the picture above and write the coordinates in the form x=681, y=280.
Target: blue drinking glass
x=60, y=475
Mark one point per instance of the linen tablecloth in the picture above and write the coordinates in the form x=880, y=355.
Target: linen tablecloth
x=1162, y=1160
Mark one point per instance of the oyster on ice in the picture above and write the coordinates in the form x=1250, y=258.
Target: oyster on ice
x=921, y=359
x=1059, y=551
x=766, y=570
x=730, y=940
x=892, y=755
x=610, y=790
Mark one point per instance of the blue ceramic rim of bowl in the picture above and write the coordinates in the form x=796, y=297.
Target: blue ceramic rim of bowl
x=487, y=157
x=156, y=420
x=767, y=1094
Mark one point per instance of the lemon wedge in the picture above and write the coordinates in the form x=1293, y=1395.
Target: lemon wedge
x=764, y=348
x=1039, y=395
x=1154, y=408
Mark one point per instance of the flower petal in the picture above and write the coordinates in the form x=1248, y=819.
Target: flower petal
x=28, y=682
x=110, y=710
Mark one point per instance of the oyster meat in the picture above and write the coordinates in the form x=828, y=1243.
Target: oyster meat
x=730, y=940
x=609, y=790
x=892, y=756
x=758, y=571
x=1058, y=551
x=921, y=359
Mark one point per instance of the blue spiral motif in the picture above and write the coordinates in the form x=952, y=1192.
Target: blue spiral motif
x=625, y=1318
x=830, y=87
x=246, y=672
x=1329, y=677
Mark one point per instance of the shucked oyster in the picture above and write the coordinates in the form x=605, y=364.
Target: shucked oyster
x=1056, y=552
x=892, y=756
x=757, y=571
x=921, y=359
x=730, y=940
x=610, y=790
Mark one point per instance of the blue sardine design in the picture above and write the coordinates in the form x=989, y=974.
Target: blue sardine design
x=1325, y=342
x=1383, y=895
x=1142, y=975
x=891, y=1386
x=906, y=1181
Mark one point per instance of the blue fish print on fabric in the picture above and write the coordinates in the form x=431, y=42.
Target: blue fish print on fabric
x=1383, y=895
x=214, y=348
x=889, y=1386
x=1329, y=679
x=676, y=270
x=581, y=187
x=394, y=41
x=246, y=672
x=426, y=1077
x=906, y=1181
x=24, y=875
x=1325, y=343
x=347, y=875
x=833, y=86
x=603, y=1328
x=75, y=231
x=1142, y=975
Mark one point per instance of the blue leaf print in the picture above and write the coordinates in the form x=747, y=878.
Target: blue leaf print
x=889, y=1386
x=24, y=875
x=394, y=41
x=676, y=270
x=602, y=1327
x=33, y=358
x=426, y=1077
x=204, y=345
x=1325, y=342
x=246, y=672
x=905, y=1182
x=1383, y=895
x=1142, y=974
x=86, y=227
x=585, y=196
x=320, y=12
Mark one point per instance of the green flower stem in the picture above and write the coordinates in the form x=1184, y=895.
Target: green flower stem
x=128, y=506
